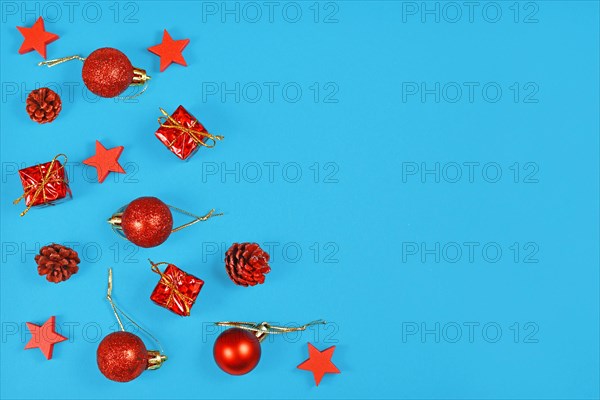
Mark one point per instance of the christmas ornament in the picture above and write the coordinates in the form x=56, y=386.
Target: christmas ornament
x=319, y=363
x=44, y=337
x=177, y=290
x=237, y=350
x=36, y=38
x=43, y=105
x=148, y=222
x=105, y=161
x=43, y=184
x=183, y=134
x=122, y=356
x=107, y=72
x=57, y=262
x=247, y=264
x=169, y=51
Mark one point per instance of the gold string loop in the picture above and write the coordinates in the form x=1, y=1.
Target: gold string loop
x=117, y=310
x=210, y=214
x=133, y=96
x=197, y=135
x=263, y=329
x=110, y=300
x=39, y=187
x=56, y=61
x=174, y=291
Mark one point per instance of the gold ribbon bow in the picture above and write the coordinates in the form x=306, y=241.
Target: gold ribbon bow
x=39, y=187
x=196, y=134
x=174, y=291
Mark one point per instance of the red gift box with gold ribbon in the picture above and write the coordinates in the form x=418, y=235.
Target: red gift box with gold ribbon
x=44, y=184
x=183, y=134
x=177, y=290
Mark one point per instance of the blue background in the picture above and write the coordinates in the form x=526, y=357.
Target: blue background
x=362, y=212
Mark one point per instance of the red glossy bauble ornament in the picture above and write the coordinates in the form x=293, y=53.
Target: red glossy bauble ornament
x=237, y=351
x=106, y=72
x=122, y=356
x=148, y=222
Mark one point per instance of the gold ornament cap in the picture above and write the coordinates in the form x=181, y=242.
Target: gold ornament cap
x=115, y=219
x=139, y=76
x=155, y=359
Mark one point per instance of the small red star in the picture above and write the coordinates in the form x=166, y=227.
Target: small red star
x=319, y=363
x=169, y=51
x=105, y=161
x=44, y=337
x=36, y=38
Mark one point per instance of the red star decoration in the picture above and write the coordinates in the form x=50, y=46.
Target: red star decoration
x=105, y=161
x=44, y=337
x=319, y=363
x=169, y=51
x=36, y=38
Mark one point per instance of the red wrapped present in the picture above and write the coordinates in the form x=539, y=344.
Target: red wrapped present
x=43, y=184
x=176, y=290
x=183, y=134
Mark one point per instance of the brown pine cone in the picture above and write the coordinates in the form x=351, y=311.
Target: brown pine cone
x=57, y=262
x=247, y=264
x=43, y=105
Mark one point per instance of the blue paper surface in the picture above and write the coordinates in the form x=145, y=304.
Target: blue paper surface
x=423, y=174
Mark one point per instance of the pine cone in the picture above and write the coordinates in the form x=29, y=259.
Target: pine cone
x=57, y=262
x=43, y=105
x=247, y=264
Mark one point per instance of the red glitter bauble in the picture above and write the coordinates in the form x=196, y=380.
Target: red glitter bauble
x=147, y=221
x=122, y=356
x=237, y=351
x=107, y=72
